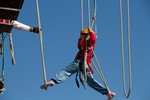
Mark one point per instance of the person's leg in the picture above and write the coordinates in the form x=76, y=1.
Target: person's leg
x=98, y=87
x=66, y=72
x=63, y=74
x=95, y=85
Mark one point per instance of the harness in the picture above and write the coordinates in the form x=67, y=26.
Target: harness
x=79, y=74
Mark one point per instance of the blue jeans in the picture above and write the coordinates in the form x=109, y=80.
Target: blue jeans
x=72, y=69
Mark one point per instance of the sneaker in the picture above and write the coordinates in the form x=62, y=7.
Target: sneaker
x=50, y=83
x=110, y=95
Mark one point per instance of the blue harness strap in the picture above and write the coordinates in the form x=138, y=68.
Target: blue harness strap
x=79, y=74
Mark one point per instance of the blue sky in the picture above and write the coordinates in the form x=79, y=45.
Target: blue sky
x=61, y=24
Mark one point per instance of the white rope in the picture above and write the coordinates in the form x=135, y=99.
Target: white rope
x=82, y=25
x=11, y=9
x=127, y=94
x=99, y=71
x=82, y=22
x=94, y=17
x=12, y=48
x=89, y=13
x=41, y=44
x=85, y=52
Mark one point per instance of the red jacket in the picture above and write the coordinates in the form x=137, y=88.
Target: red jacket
x=90, y=45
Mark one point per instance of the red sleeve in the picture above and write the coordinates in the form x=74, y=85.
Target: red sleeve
x=80, y=45
x=92, y=39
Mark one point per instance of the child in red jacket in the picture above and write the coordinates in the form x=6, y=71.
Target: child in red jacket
x=87, y=35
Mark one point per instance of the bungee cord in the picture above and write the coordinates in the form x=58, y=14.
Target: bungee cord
x=126, y=94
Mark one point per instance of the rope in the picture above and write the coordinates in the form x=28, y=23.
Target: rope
x=89, y=13
x=11, y=44
x=85, y=63
x=82, y=15
x=89, y=21
x=2, y=74
x=85, y=52
x=2, y=40
x=94, y=20
x=12, y=48
x=99, y=71
x=94, y=17
x=82, y=25
x=127, y=94
x=41, y=44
